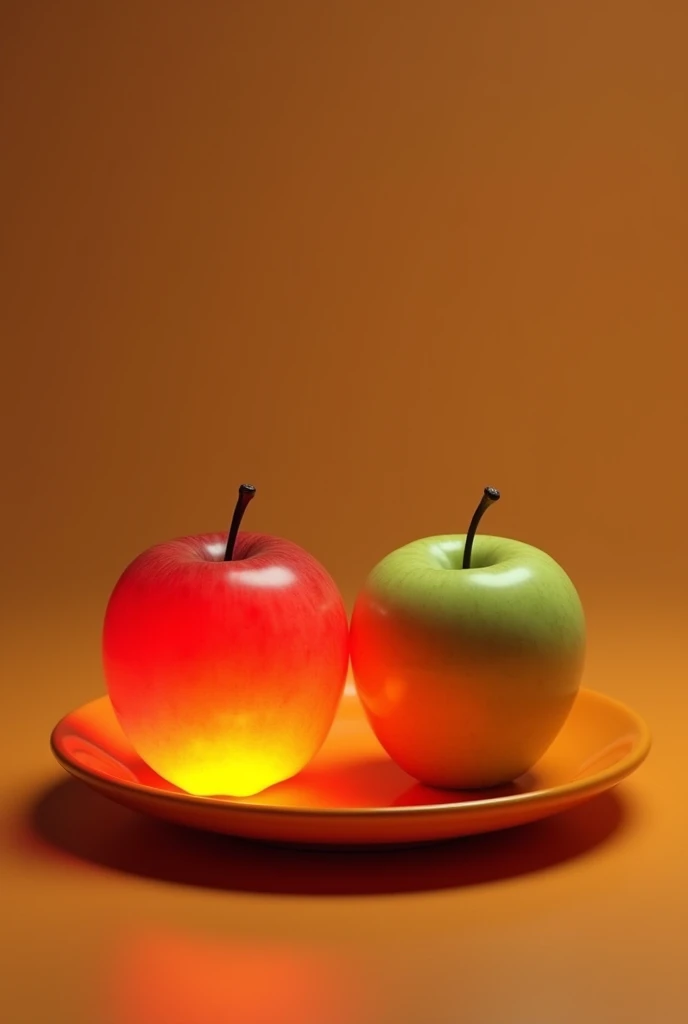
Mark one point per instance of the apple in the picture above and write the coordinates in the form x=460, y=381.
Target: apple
x=225, y=658
x=467, y=664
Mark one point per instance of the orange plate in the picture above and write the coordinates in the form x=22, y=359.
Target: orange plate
x=352, y=793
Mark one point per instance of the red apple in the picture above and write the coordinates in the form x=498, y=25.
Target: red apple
x=225, y=660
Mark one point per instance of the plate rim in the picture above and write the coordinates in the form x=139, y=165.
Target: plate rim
x=582, y=788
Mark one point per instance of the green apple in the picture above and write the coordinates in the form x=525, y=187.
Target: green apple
x=467, y=674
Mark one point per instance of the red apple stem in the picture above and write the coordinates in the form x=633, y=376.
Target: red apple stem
x=246, y=492
x=490, y=495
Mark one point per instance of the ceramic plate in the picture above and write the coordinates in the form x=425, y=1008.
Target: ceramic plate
x=352, y=793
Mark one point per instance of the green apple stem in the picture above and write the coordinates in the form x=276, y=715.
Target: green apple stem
x=246, y=492
x=490, y=495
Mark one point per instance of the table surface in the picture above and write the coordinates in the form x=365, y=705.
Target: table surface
x=111, y=918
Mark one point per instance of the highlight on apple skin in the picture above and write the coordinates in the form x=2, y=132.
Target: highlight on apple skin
x=225, y=668
x=467, y=674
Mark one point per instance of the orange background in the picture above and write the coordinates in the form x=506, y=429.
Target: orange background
x=369, y=256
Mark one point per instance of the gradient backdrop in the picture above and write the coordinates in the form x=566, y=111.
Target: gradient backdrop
x=369, y=256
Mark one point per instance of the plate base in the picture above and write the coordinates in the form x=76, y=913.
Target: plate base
x=352, y=794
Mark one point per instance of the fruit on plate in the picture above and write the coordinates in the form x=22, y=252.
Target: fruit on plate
x=225, y=658
x=467, y=653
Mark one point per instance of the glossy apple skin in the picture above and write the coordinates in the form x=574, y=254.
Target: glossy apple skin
x=225, y=676
x=467, y=675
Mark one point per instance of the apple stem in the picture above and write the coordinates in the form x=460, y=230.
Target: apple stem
x=490, y=495
x=246, y=492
